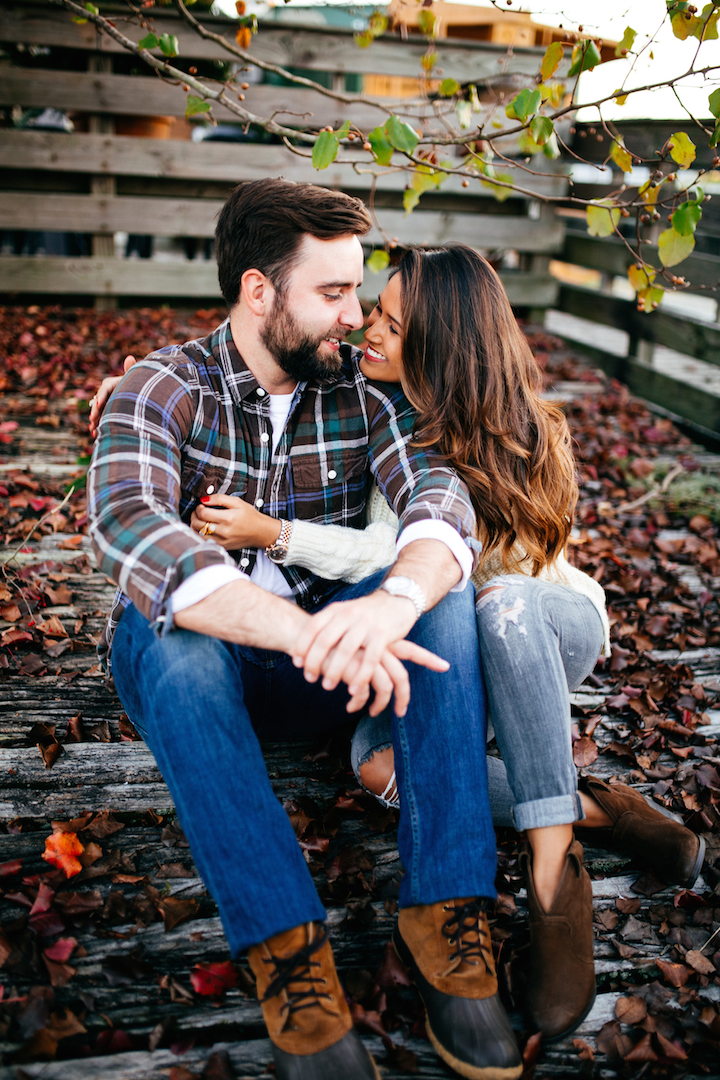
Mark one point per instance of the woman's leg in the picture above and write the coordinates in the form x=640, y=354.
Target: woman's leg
x=538, y=641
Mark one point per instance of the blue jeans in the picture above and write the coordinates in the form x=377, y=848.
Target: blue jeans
x=538, y=641
x=201, y=703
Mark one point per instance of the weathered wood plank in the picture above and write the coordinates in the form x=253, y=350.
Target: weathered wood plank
x=689, y=336
x=315, y=48
x=193, y=280
x=179, y=159
x=610, y=255
x=198, y=217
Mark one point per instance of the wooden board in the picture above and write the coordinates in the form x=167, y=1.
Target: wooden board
x=194, y=280
x=688, y=336
x=180, y=159
x=315, y=48
x=198, y=217
x=610, y=255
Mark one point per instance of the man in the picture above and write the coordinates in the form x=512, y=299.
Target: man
x=208, y=651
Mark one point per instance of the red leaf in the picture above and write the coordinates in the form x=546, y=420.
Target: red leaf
x=212, y=980
x=62, y=950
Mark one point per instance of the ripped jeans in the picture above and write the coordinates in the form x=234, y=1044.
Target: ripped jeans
x=538, y=642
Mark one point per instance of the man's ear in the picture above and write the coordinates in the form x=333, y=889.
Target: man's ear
x=256, y=292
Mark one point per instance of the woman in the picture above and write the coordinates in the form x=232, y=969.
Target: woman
x=444, y=329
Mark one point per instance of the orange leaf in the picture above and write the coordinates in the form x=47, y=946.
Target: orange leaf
x=243, y=37
x=240, y=7
x=61, y=850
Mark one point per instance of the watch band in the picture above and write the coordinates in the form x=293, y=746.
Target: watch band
x=277, y=551
x=398, y=585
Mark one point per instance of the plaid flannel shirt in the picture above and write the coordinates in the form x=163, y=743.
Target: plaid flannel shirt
x=193, y=417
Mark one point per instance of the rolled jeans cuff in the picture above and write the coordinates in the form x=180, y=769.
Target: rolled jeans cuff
x=539, y=814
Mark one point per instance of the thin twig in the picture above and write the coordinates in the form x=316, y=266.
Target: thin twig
x=34, y=529
x=657, y=489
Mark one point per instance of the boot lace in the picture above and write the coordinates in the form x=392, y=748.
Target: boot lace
x=468, y=933
x=297, y=969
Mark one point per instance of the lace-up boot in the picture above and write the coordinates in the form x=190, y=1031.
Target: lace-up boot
x=561, y=983
x=304, y=1007
x=446, y=946
x=674, y=852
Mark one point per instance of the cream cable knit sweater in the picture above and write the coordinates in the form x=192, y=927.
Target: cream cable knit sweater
x=336, y=552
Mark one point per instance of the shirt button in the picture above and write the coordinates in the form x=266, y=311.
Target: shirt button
x=264, y=437
x=259, y=503
x=261, y=392
x=210, y=489
x=332, y=474
x=245, y=562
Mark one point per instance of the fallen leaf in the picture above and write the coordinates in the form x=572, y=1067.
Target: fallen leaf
x=212, y=980
x=62, y=850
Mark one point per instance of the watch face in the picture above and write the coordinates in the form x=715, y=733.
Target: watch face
x=276, y=553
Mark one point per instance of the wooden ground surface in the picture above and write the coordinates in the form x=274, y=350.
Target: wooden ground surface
x=131, y=975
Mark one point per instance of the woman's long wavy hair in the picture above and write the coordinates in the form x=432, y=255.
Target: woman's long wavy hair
x=470, y=375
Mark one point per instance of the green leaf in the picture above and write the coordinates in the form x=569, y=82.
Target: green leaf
x=551, y=149
x=148, y=42
x=585, y=57
x=628, y=40
x=91, y=7
x=80, y=22
x=325, y=149
x=715, y=139
x=449, y=87
x=640, y=279
x=426, y=22
x=464, y=114
x=525, y=104
x=649, y=298
x=401, y=135
x=673, y=247
x=342, y=132
x=709, y=21
x=682, y=149
x=196, y=105
x=686, y=217
x=620, y=156
x=527, y=143
x=411, y=198
x=379, y=260
x=714, y=102
x=551, y=60
x=602, y=218
x=381, y=146
x=542, y=129
x=169, y=44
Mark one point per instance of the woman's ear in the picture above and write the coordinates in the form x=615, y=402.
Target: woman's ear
x=256, y=292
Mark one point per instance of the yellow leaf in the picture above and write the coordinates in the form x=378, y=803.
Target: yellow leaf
x=551, y=60
x=602, y=219
x=620, y=97
x=649, y=298
x=640, y=279
x=620, y=156
x=673, y=247
x=682, y=149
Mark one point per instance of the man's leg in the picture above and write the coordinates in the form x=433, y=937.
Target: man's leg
x=189, y=696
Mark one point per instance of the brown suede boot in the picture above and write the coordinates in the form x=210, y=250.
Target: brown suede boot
x=305, y=1010
x=561, y=983
x=673, y=852
x=446, y=946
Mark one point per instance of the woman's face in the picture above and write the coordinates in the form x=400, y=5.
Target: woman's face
x=384, y=338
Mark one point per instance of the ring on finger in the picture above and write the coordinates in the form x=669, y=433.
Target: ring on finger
x=208, y=529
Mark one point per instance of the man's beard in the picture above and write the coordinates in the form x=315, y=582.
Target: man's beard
x=297, y=352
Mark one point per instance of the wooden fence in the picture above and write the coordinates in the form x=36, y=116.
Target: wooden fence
x=99, y=182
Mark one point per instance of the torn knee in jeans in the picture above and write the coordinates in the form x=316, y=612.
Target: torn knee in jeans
x=377, y=775
x=506, y=611
x=488, y=589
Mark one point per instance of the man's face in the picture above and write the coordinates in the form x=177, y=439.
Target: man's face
x=318, y=307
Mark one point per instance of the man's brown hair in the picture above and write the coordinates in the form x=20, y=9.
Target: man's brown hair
x=262, y=225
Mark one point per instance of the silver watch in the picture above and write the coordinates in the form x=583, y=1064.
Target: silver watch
x=405, y=586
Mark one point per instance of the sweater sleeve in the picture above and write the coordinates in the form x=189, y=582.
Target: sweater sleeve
x=335, y=552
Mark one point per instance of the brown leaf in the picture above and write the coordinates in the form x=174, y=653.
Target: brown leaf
x=175, y=911
x=75, y=733
x=699, y=963
x=630, y=1010
x=10, y=612
x=71, y=543
x=41, y=1046
x=675, y=974
x=104, y=824
x=669, y=1049
x=628, y=906
x=60, y=974
x=60, y=596
x=585, y=751
x=52, y=627
x=585, y=1052
x=643, y=1051
x=611, y=1041
x=172, y=870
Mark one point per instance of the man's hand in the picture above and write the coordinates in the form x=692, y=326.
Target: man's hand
x=360, y=642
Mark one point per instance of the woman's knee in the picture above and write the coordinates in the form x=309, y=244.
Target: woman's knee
x=377, y=772
x=502, y=603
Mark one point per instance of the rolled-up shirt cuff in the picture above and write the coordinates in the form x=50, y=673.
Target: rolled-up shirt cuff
x=203, y=582
x=446, y=534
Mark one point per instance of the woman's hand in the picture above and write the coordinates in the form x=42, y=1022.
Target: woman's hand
x=103, y=392
x=233, y=523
